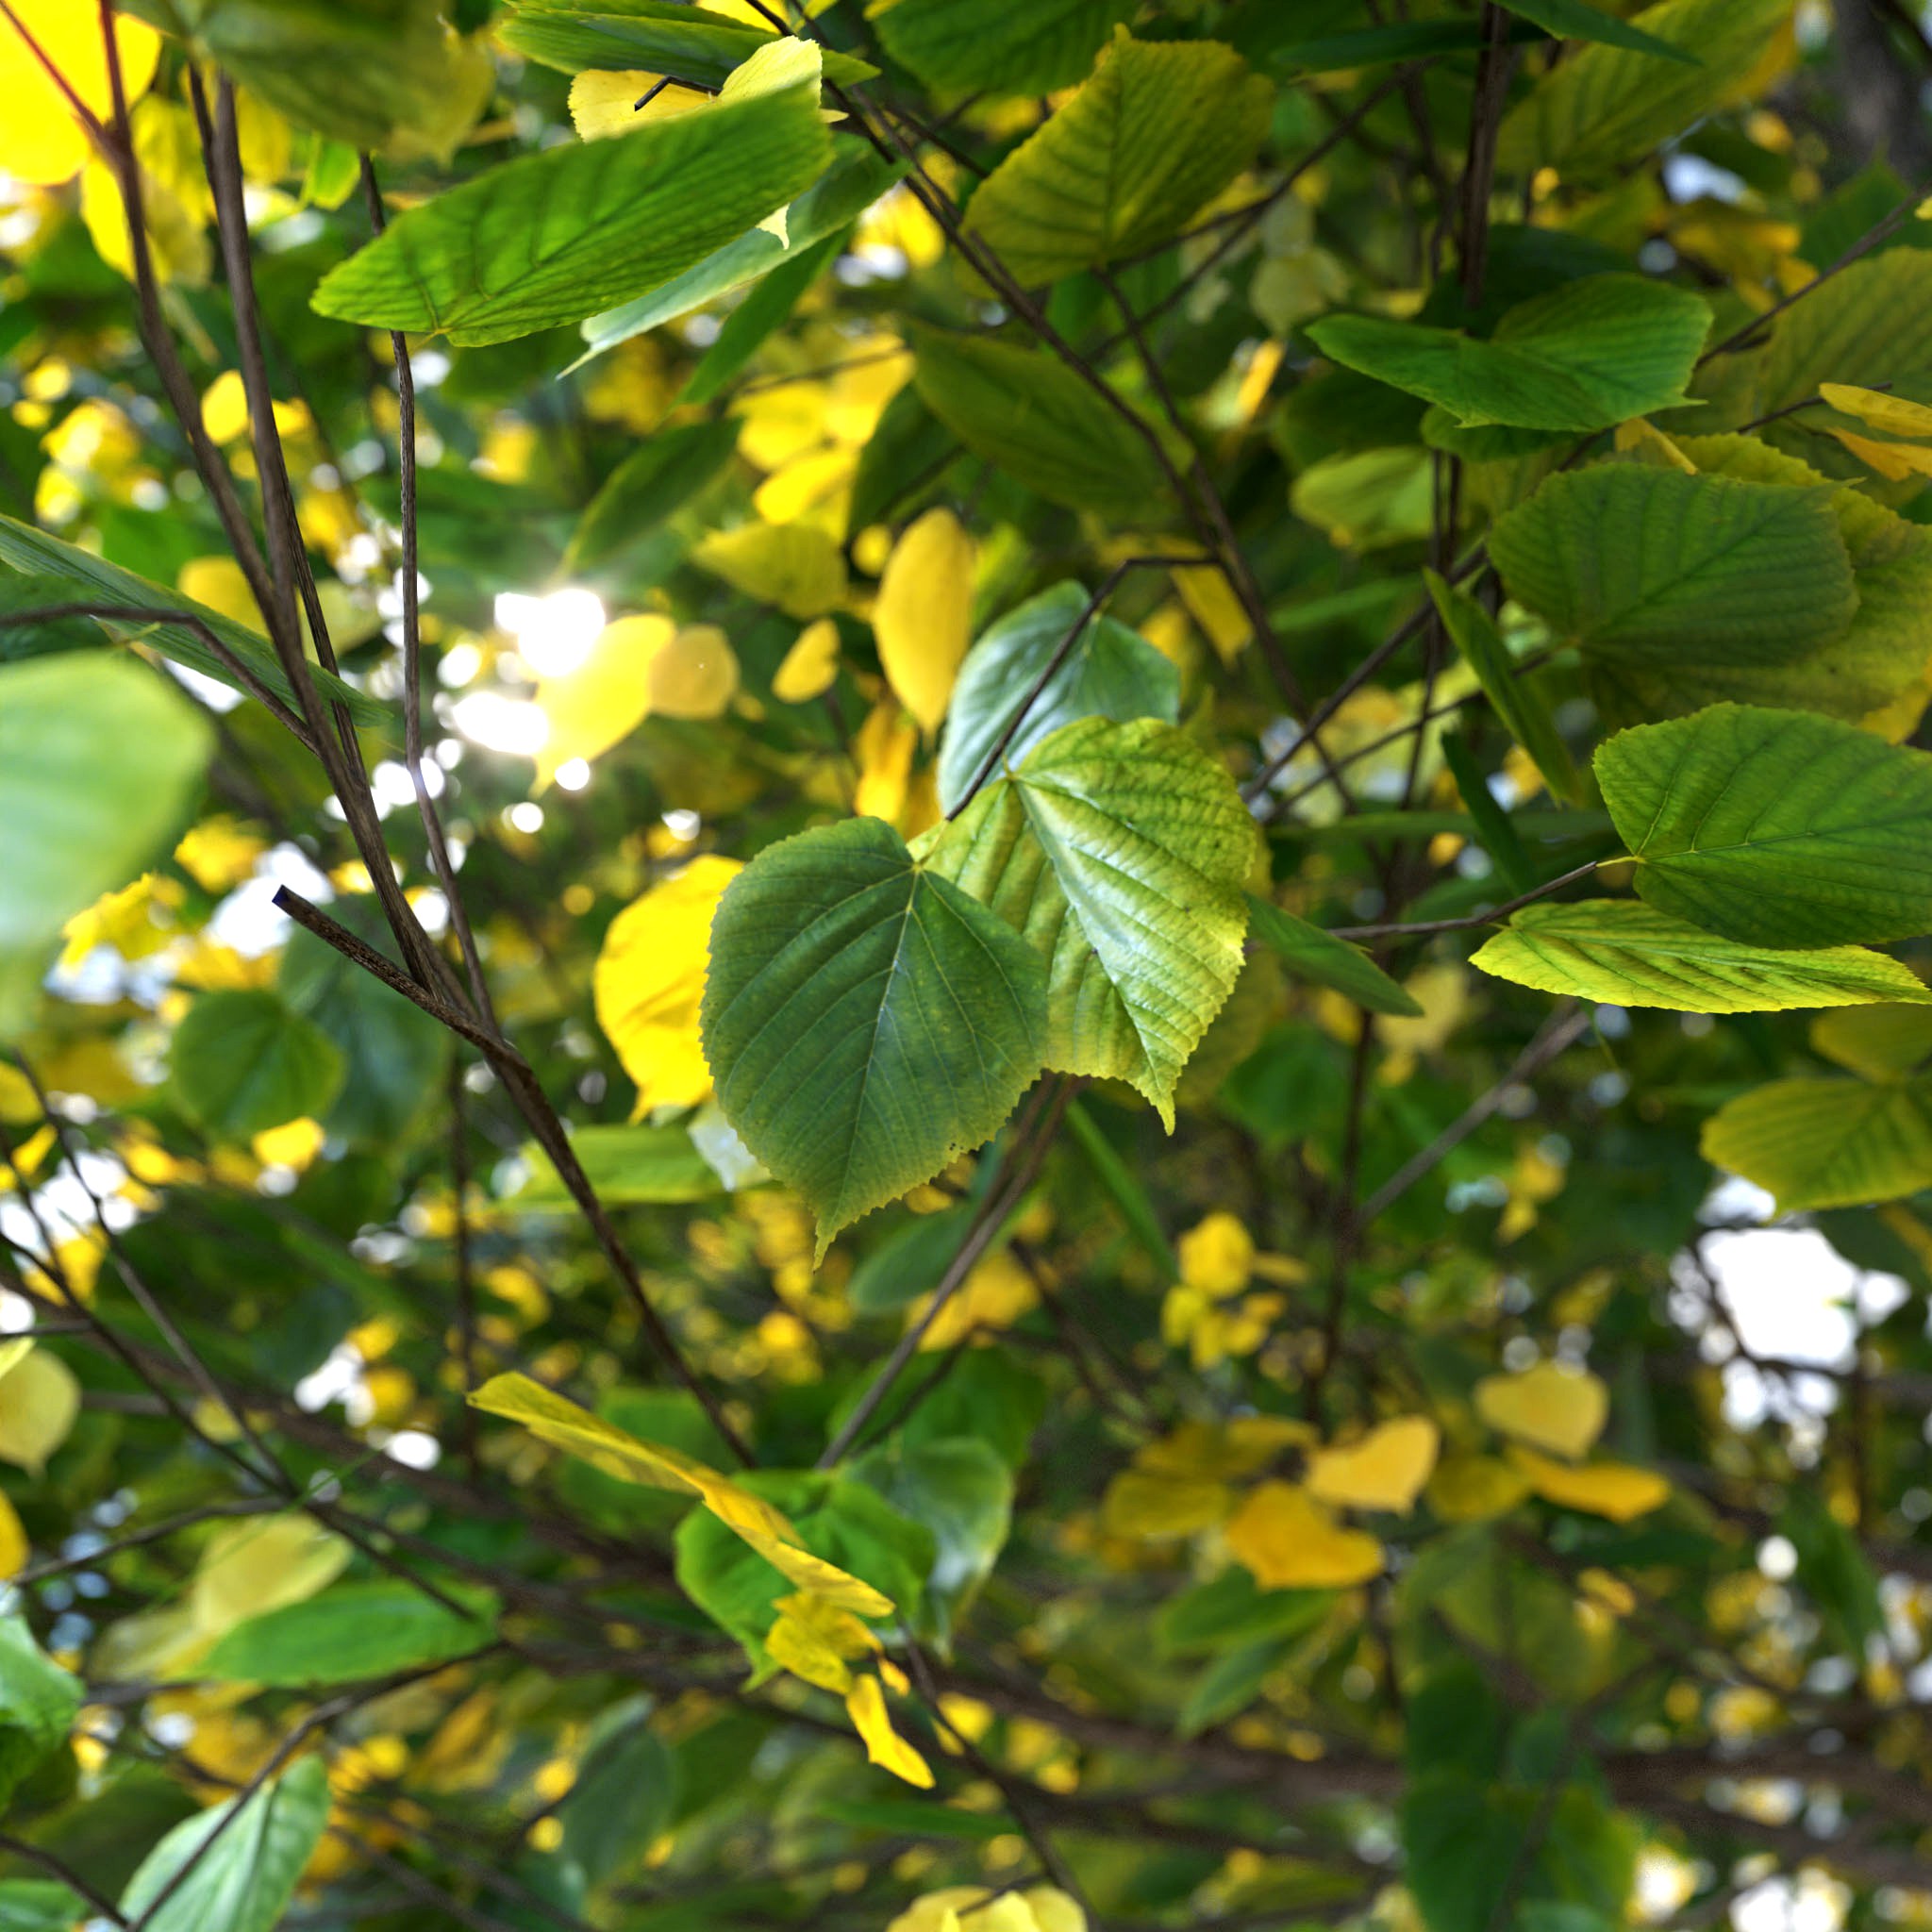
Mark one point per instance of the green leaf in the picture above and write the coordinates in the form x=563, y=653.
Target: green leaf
x=672, y=37
x=1777, y=828
x=1310, y=952
x=98, y=581
x=361, y=72
x=39, y=1702
x=1121, y=852
x=856, y=178
x=762, y=310
x=39, y=1905
x=1575, y=20
x=1610, y=104
x=246, y=1061
x=1034, y=417
x=246, y=1879
x=1377, y=46
x=1122, y=1186
x=99, y=760
x=1514, y=698
x=865, y=1019
x=1876, y=1043
x=1112, y=672
x=353, y=1634
x=1160, y=129
x=623, y=1799
x=393, y=1054
x=909, y=451
x=656, y=480
x=1632, y=954
x=1234, y=1608
x=1230, y=1684
x=999, y=46
x=1495, y=830
x=1586, y=356
x=962, y=1490
x=910, y=1261
x=1368, y=499
x=1826, y=1144
x=553, y=237
x=627, y=1165
x=1682, y=589
x=38, y=637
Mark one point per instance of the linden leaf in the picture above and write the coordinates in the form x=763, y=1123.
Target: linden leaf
x=40, y=1399
x=1560, y=1409
x=649, y=982
x=605, y=698
x=260, y=1564
x=1615, y=1490
x=1385, y=1469
x=42, y=140
x=812, y=665
x=923, y=616
x=865, y=1703
x=1288, y=1541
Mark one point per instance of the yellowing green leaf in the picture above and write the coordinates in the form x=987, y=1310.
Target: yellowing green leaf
x=1607, y=103
x=1559, y=1410
x=1030, y=416
x=1876, y=1043
x=1615, y=1490
x=1826, y=1143
x=1288, y=1540
x=1632, y=954
x=649, y=981
x=40, y=1399
x=1152, y=1504
x=1087, y=849
x=260, y=1564
x=923, y=616
x=1159, y=130
x=1385, y=1469
x=796, y=566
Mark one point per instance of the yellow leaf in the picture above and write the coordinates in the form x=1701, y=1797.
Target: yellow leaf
x=14, y=1547
x=40, y=1399
x=605, y=698
x=884, y=747
x=1212, y=604
x=1143, y=1503
x=124, y=919
x=923, y=616
x=219, y=852
x=41, y=140
x=816, y=485
x=1288, y=1540
x=1217, y=1255
x=603, y=102
x=1244, y=1445
x=558, y=1420
x=649, y=980
x=174, y=197
x=814, y=1639
x=1616, y=1490
x=996, y=1295
x=1473, y=1488
x=974, y=1908
x=260, y=1564
x=1562, y=1411
x=1892, y=414
x=866, y=1706
x=1895, y=461
x=1385, y=1469
x=294, y=1143
x=1640, y=434
x=796, y=566
x=810, y=666
x=695, y=674
x=218, y=582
